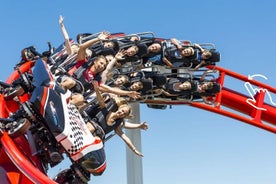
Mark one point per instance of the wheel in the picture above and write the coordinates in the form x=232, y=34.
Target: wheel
x=19, y=128
x=17, y=91
x=62, y=177
x=67, y=176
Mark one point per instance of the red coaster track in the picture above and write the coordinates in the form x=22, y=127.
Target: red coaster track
x=17, y=164
x=259, y=114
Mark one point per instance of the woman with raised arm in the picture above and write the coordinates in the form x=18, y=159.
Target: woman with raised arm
x=109, y=115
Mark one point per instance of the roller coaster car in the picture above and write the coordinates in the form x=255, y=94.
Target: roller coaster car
x=31, y=54
x=160, y=101
x=55, y=124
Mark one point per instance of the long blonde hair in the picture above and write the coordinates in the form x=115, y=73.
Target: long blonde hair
x=122, y=102
x=128, y=106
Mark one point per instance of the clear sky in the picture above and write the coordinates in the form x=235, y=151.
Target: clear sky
x=183, y=144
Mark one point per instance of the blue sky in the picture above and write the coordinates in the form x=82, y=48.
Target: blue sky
x=183, y=144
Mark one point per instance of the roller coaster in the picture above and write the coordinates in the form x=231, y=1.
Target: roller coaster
x=28, y=115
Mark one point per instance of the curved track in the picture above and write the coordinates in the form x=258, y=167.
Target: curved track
x=260, y=113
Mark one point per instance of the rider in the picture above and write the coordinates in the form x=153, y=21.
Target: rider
x=107, y=113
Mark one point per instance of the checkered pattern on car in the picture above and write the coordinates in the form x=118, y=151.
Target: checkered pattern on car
x=76, y=134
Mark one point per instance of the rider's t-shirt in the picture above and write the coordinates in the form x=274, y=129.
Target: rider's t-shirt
x=80, y=62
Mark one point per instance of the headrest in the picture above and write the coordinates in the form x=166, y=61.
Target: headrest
x=107, y=51
x=82, y=35
x=78, y=88
x=193, y=86
x=159, y=80
x=147, y=85
x=116, y=47
x=215, y=89
x=142, y=49
x=215, y=56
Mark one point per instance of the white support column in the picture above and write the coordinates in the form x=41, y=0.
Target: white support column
x=134, y=162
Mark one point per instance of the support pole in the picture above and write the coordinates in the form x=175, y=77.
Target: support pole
x=134, y=162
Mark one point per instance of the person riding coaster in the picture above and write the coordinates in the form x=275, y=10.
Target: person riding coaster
x=56, y=125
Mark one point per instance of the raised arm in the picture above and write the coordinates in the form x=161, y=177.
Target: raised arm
x=119, y=56
x=127, y=140
x=198, y=47
x=176, y=43
x=65, y=35
x=98, y=94
x=120, y=92
x=81, y=53
x=202, y=78
x=143, y=125
x=167, y=62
